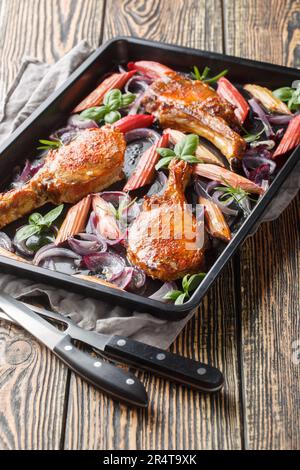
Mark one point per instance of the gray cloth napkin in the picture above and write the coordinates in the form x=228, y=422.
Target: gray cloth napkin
x=33, y=84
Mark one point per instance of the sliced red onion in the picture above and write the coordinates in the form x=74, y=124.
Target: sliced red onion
x=138, y=279
x=130, y=209
x=159, y=185
x=110, y=264
x=124, y=279
x=29, y=170
x=91, y=229
x=211, y=185
x=64, y=135
x=121, y=68
x=142, y=133
x=262, y=116
x=280, y=120
x=223, y=205
x=53, y=252
x=77, y=122
x=129, y=214
x=253, y=163
x=85, y=247
x=22, y=248
x=115, y=197
x=88, y=236
x=268, y=144
x=215, y=196
x=135, y=106
x=163, y=290
x=137, y=84
x=5, y=242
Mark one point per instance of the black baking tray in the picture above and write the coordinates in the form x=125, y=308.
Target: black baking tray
x=54, y=111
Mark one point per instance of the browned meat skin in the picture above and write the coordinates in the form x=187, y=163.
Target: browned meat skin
x=198, y=108
x=91, y=162
x=162, y=240
x=212, y=128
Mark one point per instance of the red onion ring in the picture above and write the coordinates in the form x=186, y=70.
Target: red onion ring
x=142, y=133
x=108, y=263
x=77, y=122
x=124, y=279
x=252, y=163
x=262, y=116
x=141, y=84
x=86, y=247
x=280, y=120
x=5, y=242
x=53, y=252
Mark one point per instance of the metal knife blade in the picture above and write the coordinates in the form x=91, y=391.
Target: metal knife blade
x=176, y=368
x=30, y=321
x=120, y=384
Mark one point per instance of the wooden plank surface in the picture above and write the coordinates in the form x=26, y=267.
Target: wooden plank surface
x=269, y=262
x=240, y=331
x=33, y=383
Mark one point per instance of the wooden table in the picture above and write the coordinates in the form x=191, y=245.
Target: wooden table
x=248, y=321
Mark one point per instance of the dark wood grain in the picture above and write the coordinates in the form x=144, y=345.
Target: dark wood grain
x=177, y=418
x=44, y=29
x=269, y=262
x=32, y=393
x=33, y=388
x=248, y=333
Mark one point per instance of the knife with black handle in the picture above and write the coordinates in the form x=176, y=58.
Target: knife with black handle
x=142, y=356
x=103, y=375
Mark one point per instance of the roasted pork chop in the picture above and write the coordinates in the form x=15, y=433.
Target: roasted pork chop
x=193, y=106
x=165, y=240
x=89, y=163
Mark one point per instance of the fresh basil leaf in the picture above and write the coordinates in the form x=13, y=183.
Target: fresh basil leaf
x=114, y=105
x=112, y=96
x=127, y=99
x=163, y=162
x=189, y=159
x=165, y=152
x=180, y=299
x=51, y=216
x=184, y=282
x=284, y=94
x=194, y=281
x=95, y=113
x=112, y=117
x=172, y=294
x=35, y=219
x=187, y=146
x=27, y=231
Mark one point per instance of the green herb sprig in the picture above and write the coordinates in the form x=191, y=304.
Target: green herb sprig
x=118, y=212
x=197, y=75
x=289, y=95
x=184, y=150
x=109, y=111
x=189, y=283
x=49, y=144
x=248, y=137
x=38, y=223
x=230, y=194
